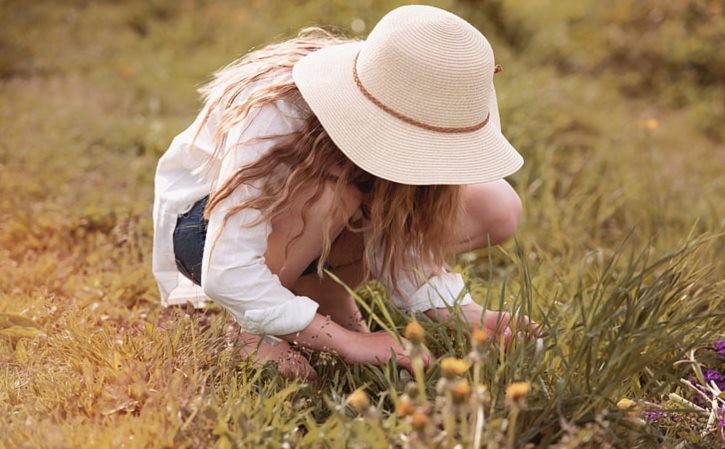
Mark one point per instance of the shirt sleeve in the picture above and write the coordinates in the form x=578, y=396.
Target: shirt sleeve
x=418, y=293
x=235, y=273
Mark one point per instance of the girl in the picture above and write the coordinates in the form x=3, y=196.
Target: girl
x=380, y=158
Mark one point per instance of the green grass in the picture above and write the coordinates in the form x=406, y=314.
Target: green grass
x=617, y=108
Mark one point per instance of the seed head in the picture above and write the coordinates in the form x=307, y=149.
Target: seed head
x=518, y=390
x=452, y=367
x=359, y=400
x=415, y=333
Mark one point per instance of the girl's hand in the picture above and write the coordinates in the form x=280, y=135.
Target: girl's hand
x=496, y=324
x=375, y=348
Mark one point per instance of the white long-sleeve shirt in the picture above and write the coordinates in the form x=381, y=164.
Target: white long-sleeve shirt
x=235, y=275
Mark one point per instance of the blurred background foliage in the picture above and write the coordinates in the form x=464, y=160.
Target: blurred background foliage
x=616, y=105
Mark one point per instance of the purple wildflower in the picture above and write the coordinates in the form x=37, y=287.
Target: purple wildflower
x=653, y=416
x=714, y=376
x=719, y=347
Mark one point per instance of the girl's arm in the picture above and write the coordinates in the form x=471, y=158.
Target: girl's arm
x=500, y=324
x=323, y=334
x=433, y=295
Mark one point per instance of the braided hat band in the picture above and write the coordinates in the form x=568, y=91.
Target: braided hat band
x=410, y=120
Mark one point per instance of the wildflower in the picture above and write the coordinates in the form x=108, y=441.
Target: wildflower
x=719, y=347
x=419, y=420
x=653, y=416
x=411, y=389
x=715, y=376
x=452, y=367
x=478, y=337
x=518, y=390
x=405, y=407
x=627, y=405
x=415, y=333
x=460, y=391
x=650, y=123
x=359, y=400
x=482, y=393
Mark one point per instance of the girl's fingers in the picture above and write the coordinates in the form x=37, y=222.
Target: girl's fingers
x=524, y=321
x=405, y=363
x=500, y=322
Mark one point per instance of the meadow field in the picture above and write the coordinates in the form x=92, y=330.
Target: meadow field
x=617, y=107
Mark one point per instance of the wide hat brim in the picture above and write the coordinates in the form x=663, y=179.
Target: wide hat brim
x=388, y=147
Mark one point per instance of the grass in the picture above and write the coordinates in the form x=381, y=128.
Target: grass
x=616, y=109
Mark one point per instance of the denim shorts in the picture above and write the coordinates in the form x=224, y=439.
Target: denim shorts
x=189, y=237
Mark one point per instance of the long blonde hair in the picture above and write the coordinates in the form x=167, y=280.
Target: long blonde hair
x=410, y=227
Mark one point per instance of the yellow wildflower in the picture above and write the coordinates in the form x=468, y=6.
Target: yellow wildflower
x=359, y=400
x=518, y=390
x=419, y=420
x=650, y=123
x=415, y=333
x=461, y=391
x=628, y=405
x=478, y=337
x=452, y=367
x=405, y=407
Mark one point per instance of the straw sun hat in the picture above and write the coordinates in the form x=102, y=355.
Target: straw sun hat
x=415, y=102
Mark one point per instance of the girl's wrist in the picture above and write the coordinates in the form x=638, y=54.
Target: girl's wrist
x=322, y=334
x=348, y=343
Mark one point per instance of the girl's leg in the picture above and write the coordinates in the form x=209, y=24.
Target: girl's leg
x=491, y=212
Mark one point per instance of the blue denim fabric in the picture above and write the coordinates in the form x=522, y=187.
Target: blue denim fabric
x=189, y=237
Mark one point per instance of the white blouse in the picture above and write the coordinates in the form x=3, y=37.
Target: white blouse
x=236, y=275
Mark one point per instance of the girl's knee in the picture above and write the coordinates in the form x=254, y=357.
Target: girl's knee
x=496, y=209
